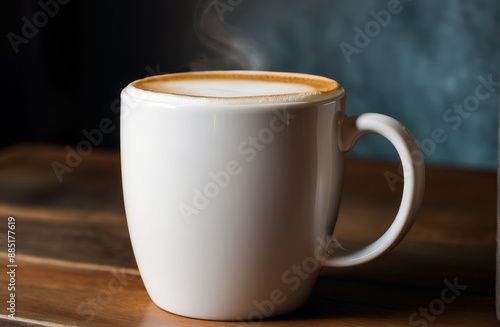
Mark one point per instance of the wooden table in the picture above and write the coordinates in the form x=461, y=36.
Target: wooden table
x=75, y=265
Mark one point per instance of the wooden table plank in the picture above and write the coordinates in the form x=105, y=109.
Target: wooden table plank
x=75, y=236
x=27, y=177
x=80, y=298
x=73, y=244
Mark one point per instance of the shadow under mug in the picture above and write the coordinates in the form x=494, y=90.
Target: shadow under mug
x=231, y=201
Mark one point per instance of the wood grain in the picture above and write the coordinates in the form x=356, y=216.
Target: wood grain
x=76, y=266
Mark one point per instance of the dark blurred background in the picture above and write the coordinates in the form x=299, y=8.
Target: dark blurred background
x=64, y=62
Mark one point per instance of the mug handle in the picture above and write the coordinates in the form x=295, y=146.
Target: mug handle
x=352, y=128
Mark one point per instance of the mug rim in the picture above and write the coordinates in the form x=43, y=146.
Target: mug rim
x=323, y=88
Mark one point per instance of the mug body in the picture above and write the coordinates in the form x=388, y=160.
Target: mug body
x=228, y=206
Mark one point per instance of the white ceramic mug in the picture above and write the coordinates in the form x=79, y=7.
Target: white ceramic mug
x=232, y=184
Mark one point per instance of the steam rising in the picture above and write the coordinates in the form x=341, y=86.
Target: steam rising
x=233, y=49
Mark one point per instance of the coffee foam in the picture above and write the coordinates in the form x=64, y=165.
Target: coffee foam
x=235, y=87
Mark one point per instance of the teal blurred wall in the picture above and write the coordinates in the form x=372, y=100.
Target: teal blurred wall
x=421, y=62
